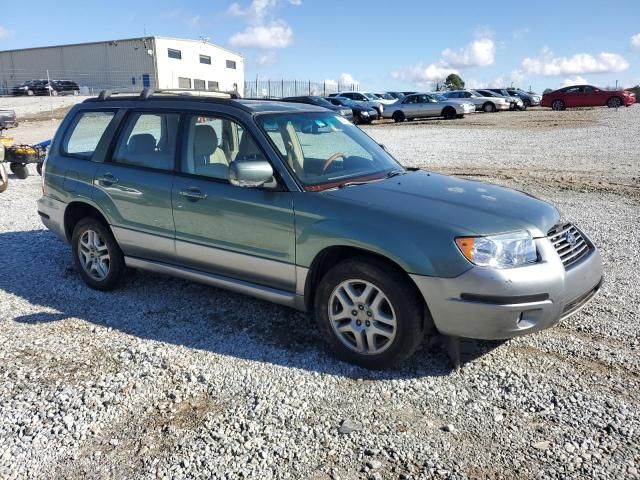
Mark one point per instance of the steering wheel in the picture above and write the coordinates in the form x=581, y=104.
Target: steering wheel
x=331, y=159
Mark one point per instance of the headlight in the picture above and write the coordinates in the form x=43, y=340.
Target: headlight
x=499, y=251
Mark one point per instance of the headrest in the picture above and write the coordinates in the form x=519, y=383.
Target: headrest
x=205, y=140
x=142, y=143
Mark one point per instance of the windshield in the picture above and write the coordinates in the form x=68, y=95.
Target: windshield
x=321, y=102
x=439, y=97
x=324, y=150
x=386, y=96
x=370, y=96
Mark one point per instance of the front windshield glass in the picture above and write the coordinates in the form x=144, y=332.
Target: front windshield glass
x=386, y=96
x=324, y=150
x=439, y=97
x=370, y=96
x=321, y=102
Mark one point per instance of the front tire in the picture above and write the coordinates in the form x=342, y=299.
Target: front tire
x=558, y=105
x=96, y=254
x=368, y=313
x=398, y=116
x=449, y=113
x=20, y=170
x=614, y=102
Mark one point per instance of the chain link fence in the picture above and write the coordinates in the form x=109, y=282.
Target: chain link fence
x=293, y=88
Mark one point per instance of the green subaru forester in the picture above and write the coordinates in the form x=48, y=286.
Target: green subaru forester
x=292, y=203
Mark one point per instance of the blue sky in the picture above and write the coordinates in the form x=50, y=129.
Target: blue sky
x=380, y=44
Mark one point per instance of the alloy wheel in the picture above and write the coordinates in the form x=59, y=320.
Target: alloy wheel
x=557, y=105
x=94, y=255
x=362, y=317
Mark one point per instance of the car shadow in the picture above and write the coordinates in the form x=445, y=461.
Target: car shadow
x=36, y=266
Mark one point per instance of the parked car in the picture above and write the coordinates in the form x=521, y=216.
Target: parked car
x=421, y=105
x=361, y=113
x=587, y=96
x=396, y=95
x=529, y=99
x=64, y=87
x=515, y=103
x=386, y=98
x=32, y=87
x=485, y=104
x=383, y=255
x=364, y=98
x=345, y=111
x=44, y=87
x=8, y=119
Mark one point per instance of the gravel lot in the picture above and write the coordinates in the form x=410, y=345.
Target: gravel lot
x=170, y=379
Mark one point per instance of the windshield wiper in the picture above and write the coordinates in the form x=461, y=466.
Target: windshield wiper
x=395, y=173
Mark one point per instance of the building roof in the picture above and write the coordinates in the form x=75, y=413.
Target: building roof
x=116, y=40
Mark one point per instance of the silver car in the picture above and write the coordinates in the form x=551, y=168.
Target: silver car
x=483, y=104
x=363, y=98
x=515, y=103
x=420, y=105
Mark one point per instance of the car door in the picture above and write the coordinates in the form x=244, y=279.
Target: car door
x=573, y=97
x=243, y=233
x=410, y=106
x=134, y=185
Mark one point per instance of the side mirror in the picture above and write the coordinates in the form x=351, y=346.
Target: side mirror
x=251, y=174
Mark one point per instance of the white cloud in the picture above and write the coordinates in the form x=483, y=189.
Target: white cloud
x=479, y=53
x=5, y=33
x=578, y=64
x=345, y=80
x=257, y=9
x=276, y=34
x=577, y=80
x=517, y=76
x=635, y=40
x=422, y=75
x=268, y=58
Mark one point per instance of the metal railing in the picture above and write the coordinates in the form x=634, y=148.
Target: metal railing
x=293, y=88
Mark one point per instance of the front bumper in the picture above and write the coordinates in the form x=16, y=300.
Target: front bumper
x=51, y=213
x=486, y=303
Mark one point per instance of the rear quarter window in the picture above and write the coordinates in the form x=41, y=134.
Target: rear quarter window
x=84, y=133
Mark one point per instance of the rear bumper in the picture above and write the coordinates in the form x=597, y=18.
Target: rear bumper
x=489, y=304
x=51, y=213
x=628, y=101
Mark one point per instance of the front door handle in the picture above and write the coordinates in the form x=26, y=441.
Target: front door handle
x=192, y=193
x=108, y=179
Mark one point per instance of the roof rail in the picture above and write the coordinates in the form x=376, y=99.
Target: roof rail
x=148, y=92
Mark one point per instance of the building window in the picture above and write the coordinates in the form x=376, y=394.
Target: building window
x=231, y=64
x=177, y=54
x=206, y=59
x=184, y=82
x=198, y=84
x=215, y=86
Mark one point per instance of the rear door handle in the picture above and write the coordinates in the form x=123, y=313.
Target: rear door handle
x=108, y=179
x=192, y=193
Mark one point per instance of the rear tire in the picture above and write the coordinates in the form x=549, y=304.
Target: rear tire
x=398, y=116
x=97, y=255
x=489, y=107
x=614, y=102
x=449, y=113
x=20, y=170
x=387, y=327
x=558, y=105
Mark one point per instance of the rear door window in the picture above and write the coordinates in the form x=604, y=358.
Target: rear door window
x=149, y=140
x=84, y=133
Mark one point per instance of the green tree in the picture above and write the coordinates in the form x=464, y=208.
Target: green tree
x=635, y=90
x=547, y=90
x=454, y=82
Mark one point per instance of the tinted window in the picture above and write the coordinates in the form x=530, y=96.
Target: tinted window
x=206, y=59
x=174, y=53
x=84, y=134
x=212, y=144
x=213, y=85
x=184, y=82
x=231, y=64
x=198, y=84
x=148, y=140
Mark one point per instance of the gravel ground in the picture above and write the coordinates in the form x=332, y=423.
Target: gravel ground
x=170, y=379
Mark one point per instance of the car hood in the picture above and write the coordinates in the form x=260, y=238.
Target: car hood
x=469, y=207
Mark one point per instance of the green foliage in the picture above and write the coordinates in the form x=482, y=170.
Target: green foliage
x=454, y=82
x=547, y=90
x=635, y=90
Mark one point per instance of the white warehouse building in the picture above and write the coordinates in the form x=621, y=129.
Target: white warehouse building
x=128, y=64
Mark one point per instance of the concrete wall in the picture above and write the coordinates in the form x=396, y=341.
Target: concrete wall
x=189, y=66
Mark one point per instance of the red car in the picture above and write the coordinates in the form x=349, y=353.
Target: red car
x=587, y=96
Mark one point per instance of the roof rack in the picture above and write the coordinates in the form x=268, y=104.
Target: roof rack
x=149, y=92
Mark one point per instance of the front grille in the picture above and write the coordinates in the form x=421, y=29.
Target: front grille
x=569, y=243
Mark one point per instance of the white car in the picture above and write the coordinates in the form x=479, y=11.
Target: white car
x=386, y=98
x=421, y=105
x=483, y=104
x=363, y=98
